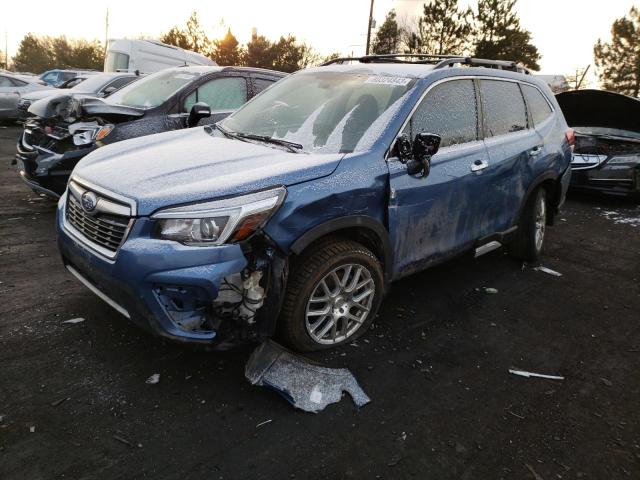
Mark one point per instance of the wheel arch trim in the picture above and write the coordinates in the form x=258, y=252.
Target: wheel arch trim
x=338, y=224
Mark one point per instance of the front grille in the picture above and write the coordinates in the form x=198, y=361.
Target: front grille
x=103, y=229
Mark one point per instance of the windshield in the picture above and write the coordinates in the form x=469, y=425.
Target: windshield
x=151, y=91
x=327, y=112
x=91, y=84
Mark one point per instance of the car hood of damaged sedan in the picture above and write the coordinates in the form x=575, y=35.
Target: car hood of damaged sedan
x=186, y=166
x=599, y=108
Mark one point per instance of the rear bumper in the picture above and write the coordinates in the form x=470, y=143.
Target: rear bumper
x=157, y=284
x=619, y=180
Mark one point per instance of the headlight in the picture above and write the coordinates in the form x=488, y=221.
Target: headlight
x=92, y=133
x=214, y=223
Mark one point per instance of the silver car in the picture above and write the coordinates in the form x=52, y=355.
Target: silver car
x=12, y=87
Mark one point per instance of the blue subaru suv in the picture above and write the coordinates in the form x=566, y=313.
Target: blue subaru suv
x=292, y=216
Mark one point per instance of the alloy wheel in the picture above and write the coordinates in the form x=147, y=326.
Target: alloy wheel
x=339, y=304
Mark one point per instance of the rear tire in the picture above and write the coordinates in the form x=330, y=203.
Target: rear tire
x=332, y=296
x=529, y=239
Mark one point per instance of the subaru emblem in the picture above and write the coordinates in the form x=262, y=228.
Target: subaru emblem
x=89, y=201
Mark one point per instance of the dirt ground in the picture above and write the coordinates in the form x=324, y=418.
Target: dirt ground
x=74, y=403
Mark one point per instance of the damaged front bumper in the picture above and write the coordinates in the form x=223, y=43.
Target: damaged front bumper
x=45, y=171
x=180, y=292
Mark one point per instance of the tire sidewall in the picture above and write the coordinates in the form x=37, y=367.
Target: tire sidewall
x=362, y=257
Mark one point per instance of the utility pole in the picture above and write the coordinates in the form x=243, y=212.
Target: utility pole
x=106, y=31
x=369, y=27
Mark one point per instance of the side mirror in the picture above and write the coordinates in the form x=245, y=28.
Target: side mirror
x=425, y=145
x=108, y=91
x=199, y=111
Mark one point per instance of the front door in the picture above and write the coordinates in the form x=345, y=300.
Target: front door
x=434, y=217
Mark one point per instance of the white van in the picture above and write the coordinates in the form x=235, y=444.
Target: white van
x=148, y=56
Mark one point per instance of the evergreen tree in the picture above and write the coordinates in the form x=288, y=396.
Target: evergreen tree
x=387, y=39
x=227, y=51
x=618, y=61
x=191, y=37
x=443, y=28
x=33, y=55
x=499, y=35
x=259, y=52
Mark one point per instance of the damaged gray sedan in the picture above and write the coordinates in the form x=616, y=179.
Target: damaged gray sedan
x=606, y=158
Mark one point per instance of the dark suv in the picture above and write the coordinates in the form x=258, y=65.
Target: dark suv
x=293, y=215
x=66, y=127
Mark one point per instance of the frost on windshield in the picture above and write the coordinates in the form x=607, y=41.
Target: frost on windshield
x=324, y=112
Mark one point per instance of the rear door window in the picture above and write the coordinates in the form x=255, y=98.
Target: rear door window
x=225, y=93
x=5, y=82
x=260, y=84
x=502, y=107
x=538, y=105
x=449, y=110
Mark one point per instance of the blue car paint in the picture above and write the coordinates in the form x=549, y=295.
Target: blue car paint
x=144, y=263
x=427, y=220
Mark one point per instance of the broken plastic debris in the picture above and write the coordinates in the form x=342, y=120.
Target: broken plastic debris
x=264, y=423
x=548, y=270
x=32, y=429
x=73, y=321
x=153, y=379
x=491, y=290
x=306, y=385
x=526, y=374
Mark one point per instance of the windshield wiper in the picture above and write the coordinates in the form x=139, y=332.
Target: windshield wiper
x=291, y=146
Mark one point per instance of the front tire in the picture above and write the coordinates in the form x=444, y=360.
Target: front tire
x=530, y=235
x=332, y=296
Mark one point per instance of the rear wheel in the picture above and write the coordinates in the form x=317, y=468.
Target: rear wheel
x=332, y=296
x=531, y=231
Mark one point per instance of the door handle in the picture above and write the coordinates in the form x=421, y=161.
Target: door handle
x=534, y=152
x=479, y=165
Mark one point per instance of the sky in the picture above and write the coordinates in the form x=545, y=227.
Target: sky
x=563, y=30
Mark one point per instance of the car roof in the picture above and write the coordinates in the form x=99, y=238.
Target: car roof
x=204, y=69
x=388, y=69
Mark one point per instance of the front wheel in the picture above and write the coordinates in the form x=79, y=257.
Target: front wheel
x=332, y=295
x=531, y=231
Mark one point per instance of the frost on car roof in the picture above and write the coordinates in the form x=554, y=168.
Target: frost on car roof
x=387, y=69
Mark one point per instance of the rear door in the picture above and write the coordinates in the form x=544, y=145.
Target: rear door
x=434, y=217
x=9, y=96
x=513, y=146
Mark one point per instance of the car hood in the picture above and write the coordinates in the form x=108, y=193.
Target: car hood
x=191, y=165
x=70, y=107
x=599, y=108
x=38, y=94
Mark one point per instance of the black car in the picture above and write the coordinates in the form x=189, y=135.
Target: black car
x=66, y=127
x=606, y=158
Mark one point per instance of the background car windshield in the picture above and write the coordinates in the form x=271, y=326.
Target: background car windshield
x=325, y=112
x=151, y=91
x=91, y=84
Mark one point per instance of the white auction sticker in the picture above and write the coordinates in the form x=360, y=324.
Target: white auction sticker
x=388, y=80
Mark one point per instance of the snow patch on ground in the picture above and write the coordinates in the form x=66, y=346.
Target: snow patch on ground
x=628, y=217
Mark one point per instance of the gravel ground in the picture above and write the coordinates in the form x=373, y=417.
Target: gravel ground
x=74, y=402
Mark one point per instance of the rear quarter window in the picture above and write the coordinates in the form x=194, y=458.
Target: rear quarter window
x=538, y=105
x=503, y=107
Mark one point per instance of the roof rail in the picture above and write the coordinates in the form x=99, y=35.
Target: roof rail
x=439, y=61
x=482, y=62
